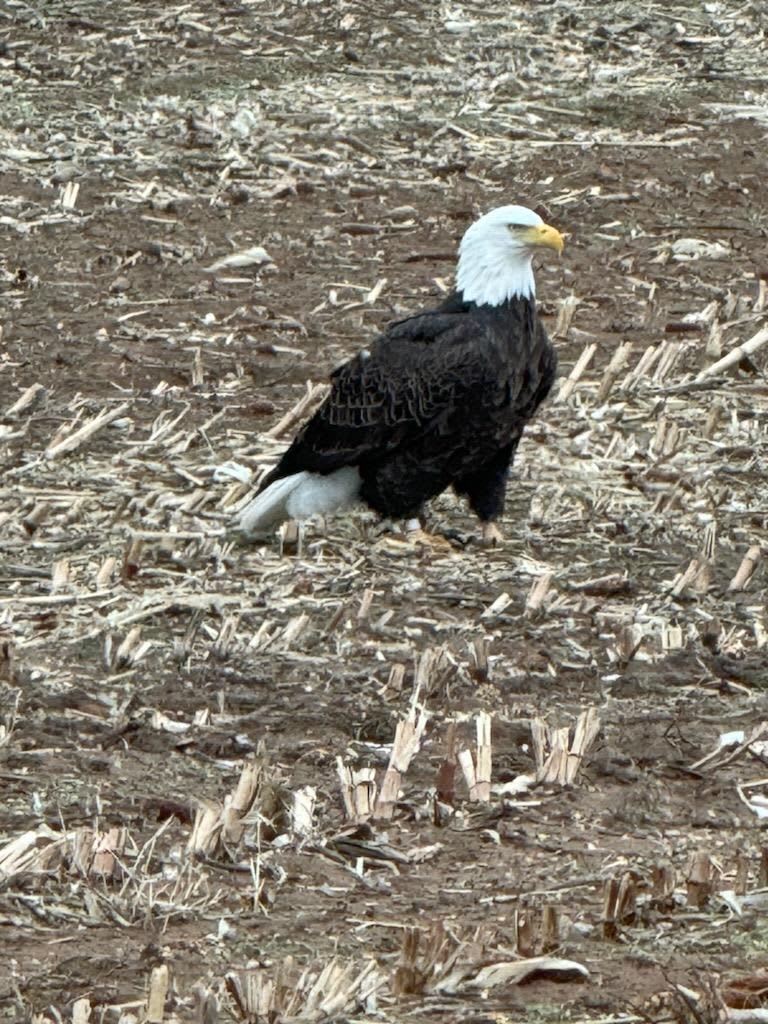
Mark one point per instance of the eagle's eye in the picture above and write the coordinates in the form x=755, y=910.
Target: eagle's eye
x=517, y=227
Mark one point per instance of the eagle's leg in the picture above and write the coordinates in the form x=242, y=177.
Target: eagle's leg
x=416, y=534
x=491, y=535
x=485, y=489
x=397, y=489
x=292, y=537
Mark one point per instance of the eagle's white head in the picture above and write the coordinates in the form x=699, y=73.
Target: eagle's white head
x=496, y=252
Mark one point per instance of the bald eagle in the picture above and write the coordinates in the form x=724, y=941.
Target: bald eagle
x=440, y=400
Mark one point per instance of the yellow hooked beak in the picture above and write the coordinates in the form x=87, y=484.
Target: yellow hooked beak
x=542, y=237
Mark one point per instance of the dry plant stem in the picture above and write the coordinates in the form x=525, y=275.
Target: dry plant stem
x=302, y=410
x=84, y=433
x=477, y=771
x=158, y=988
x=407, y=741
x=569, y=384
x=735, y=356
x=746, y=569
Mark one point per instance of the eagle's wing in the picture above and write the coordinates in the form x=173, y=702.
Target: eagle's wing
x=423, y=369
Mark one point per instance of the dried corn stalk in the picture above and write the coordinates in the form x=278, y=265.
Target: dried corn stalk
x=315, y=394
x=619, y=903
x=426, y=959
x=36, y=850
x=746, y=569
x=736, y=355
x=254, y=800
x=700, y=883
x=477, y=772
x=407, y=741
x=98, y=853
x=358, y=790
x=569, y=384
x=316, y=993
x=84, y=433
x=537, y=930
x=81, y=1011
x=558, y=759
x=303, y=811
x=159, y=981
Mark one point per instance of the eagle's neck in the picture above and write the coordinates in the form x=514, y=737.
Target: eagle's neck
x=489, y=278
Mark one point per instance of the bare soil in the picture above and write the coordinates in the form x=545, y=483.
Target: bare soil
x=356, y=147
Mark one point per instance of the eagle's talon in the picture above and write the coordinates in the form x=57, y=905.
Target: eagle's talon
x=492, y=535
x=458, y=538
x=433, y=541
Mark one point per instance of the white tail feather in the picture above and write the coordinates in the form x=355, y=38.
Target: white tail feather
x=298, y=497
x=270, y=508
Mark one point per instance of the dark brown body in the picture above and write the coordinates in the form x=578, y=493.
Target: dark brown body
x=441, y=400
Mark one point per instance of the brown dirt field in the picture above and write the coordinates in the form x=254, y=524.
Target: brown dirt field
x=356, y=147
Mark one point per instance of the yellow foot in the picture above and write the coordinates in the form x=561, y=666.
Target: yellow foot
x=414, y=539
x=492, y=535
x=433, y=541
